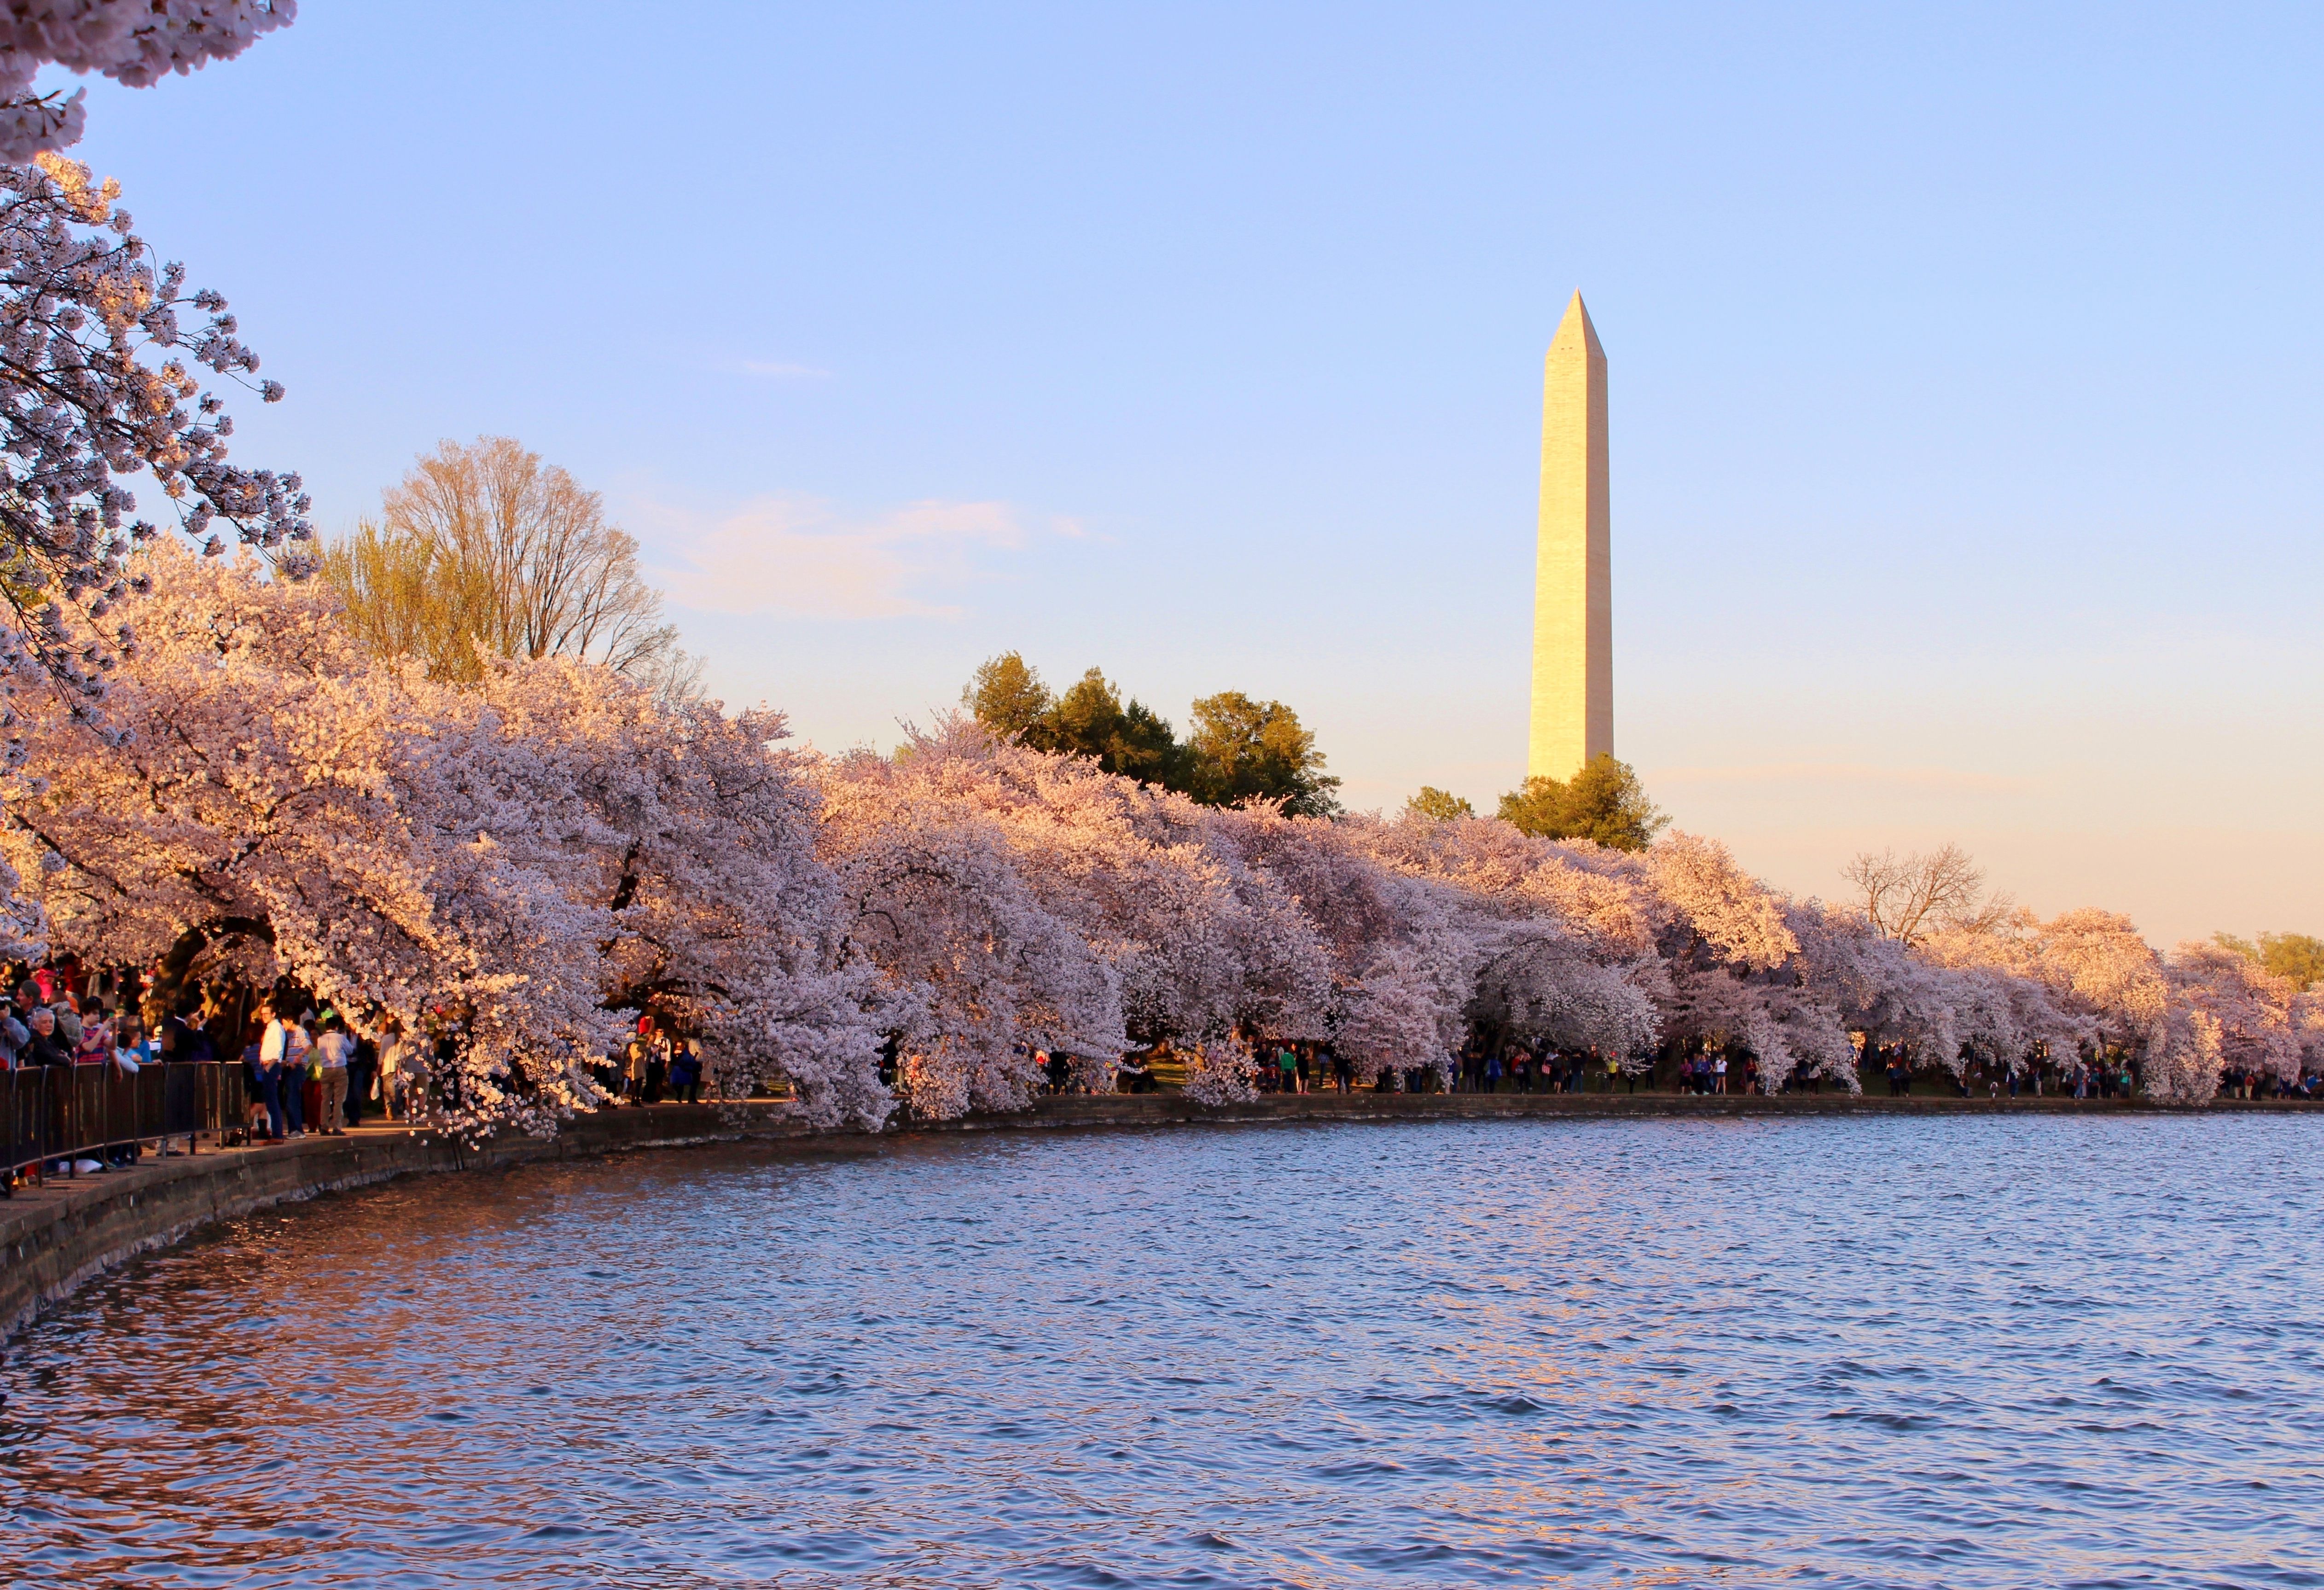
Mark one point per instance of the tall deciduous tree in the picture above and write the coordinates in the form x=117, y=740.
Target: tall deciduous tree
x=484, y=549
x=1604, y=803
x=1239, y=749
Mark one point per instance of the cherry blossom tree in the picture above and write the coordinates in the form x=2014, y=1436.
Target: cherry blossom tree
x=980, y=974
x=248, y=811
x=97, y=382
x=137, y=42
x=512, y=868
x=2103, y=986
x=2229, y=1012
x=685, y=842
x=1558, y=946
x=1224, y=1071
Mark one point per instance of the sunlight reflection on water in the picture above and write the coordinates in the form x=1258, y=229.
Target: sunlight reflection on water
x=1901, y=1352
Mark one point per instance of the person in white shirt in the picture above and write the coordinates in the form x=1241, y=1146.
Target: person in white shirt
x=391, y=1069
x=332, y=1049
x=290, y=1044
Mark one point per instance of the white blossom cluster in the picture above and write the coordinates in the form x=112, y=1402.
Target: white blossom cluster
x=98, y=351
x=136, y=42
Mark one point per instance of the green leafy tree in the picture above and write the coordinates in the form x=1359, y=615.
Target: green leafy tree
x=1090, y=720
x=1603, y=802
x=1007, y=696
x=1240, y=747
x=2296, y=956
x=1440, y=805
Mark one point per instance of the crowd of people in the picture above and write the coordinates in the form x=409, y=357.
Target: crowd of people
x=308, y=1070
x=656, y=1064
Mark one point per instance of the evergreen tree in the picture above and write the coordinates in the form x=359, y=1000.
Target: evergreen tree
x=1603, y=802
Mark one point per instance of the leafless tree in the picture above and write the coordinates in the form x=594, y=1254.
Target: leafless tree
x=485, y=545
x=674, y=675
x=1908, y=897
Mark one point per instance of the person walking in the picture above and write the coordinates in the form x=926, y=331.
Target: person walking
x=391, y=1067
x=307, y=1073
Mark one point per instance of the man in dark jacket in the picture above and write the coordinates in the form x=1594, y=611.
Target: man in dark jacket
x=46, y=1047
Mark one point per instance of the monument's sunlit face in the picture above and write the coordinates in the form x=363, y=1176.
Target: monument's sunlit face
x=1573, y=585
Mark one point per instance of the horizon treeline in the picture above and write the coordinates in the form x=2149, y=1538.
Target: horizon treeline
x=1236, y=748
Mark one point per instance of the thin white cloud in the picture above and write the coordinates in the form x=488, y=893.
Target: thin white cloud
x=798, y=555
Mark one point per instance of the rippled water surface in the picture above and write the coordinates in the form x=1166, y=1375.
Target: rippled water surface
x=1903, y=1352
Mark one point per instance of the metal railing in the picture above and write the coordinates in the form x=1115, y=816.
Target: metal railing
x=50, y=1114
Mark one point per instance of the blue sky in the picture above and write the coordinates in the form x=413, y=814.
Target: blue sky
x=1964, y=366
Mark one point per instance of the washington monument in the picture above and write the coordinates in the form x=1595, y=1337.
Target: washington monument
x=1573, y=580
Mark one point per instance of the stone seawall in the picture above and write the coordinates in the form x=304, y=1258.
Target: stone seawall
x=1156, y=1109
x=54, y=1237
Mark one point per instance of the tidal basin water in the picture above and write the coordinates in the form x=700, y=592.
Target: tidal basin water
x=1895, y=1352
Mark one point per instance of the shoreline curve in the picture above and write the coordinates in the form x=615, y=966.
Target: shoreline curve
x=56, y=1238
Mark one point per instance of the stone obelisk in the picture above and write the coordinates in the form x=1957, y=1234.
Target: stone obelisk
x=1573, y=580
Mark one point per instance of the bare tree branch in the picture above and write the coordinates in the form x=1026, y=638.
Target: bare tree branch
x=1907, y=897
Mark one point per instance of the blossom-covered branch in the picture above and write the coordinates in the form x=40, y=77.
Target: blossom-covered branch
x=98, y=350
x=136, y=42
